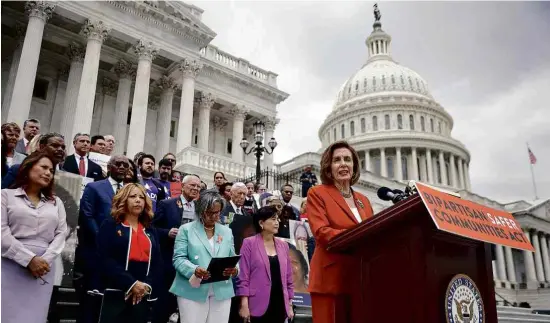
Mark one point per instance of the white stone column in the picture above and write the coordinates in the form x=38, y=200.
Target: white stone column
x=96, y=32
x=510, y=267
x=367, y=161
x=76, y=55
x=164, y=114
x=146, y=52
x=14, y=66
x=239, y=114
x=125, y=73
x=461, y=173
x=454, y=181
x=207, y=101
x=399, y=172
x=109, y=88
x=467, y=176
x=442, y=168
x=190, y=70
x=538, y=258
x=270, y=124
x=529, y=265
x=545, y=256
x=501, y=269
x=414, y=158
x=39, y=12
x=383, y=163
x=430, y=166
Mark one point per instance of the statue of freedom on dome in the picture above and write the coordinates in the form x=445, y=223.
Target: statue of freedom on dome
x=377, y=14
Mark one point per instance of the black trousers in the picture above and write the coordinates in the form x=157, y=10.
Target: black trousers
x=167, y=303
x=89, y=306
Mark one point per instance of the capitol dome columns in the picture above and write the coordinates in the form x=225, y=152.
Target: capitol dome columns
x=239, y=114
x=383, y=163
x=164, y=114
x=190, y=70
x=429, y=165
x=146, y=52
x=414, y=173
x=39, y=12
x=95, y=32
x=399, y=172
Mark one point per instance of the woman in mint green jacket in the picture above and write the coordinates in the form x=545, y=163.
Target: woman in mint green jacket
x=196, y=244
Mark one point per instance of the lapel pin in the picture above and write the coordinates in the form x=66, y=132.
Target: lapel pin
x=179, y=204
x=361, y=205
x=119, y=233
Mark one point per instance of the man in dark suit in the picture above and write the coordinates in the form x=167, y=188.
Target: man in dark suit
x=250, y=205
x=53, y=143
x=95, y=206
x=170, y=215
x=286, y=195
x=31, y=128
x=78, y=163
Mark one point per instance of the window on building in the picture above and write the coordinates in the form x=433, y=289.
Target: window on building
x=387, y=122
x=229, y=145
x=438, y=171
x=196, y=140
x=363, y=125
x=422, y=125
x=377, y=169
x=334, y=134
x=356, y=85
x=129, y=118
x=352, y=128
x=389, y=163
x=404, y=169
x=439, y=127
x=375, y=123
x=399, y=121
x=392, y=79
x=172, y=128
x=448, y=171
x=411, y=122
x=40, y=90
x=343, y=131
x=432, y=125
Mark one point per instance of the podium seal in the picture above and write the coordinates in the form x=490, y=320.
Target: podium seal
x=463, y=302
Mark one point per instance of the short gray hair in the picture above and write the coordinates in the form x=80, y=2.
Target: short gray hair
x=186, y=178
x=238, y=185
x=113, y=158
x=79, y=135
x=206, y=201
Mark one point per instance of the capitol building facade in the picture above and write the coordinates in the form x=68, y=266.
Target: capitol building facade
x=145, y=72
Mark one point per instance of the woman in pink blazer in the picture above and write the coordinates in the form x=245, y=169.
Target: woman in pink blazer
x=265, y=278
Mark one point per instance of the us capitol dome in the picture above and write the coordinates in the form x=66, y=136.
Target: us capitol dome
x=386, y=112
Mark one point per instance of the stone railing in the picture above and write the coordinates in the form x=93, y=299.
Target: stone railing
x=210, y=161
x=213, y=54
x=299, y=162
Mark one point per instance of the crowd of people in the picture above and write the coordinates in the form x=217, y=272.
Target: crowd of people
x=142, y=253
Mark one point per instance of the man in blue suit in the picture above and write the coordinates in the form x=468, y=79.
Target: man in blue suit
x=95, y=206
x=170, y=215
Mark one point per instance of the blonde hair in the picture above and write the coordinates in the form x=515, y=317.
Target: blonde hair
x=120, y=205
x=33, y=144
x=303, y=205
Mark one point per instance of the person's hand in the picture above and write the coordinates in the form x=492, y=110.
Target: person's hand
x=290, y=311
x=230, y=272
x=244, y=312
x=202, y=273
x=38, y=267
x=137, y=292
x=173, y=233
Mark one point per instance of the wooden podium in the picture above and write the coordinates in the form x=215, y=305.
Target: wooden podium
x=404, y=264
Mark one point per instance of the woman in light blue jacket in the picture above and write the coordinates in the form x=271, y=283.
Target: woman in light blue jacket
x=196, y=244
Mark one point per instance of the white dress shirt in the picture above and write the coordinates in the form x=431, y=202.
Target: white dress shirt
x=114, y=184
x=77, y=158
x=237, y=209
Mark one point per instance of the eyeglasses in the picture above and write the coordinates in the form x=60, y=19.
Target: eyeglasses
x=120, y=163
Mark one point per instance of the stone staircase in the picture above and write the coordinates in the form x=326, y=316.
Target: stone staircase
x=67, y=309
x=508, y=314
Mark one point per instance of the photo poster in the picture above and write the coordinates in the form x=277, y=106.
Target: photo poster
x=175, y=189
x=69, y=188
x=100, y=159
x=298, y=253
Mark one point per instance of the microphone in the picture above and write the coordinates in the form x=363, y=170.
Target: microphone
x=387, y=194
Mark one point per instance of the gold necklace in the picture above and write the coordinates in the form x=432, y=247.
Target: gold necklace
x=346, y=195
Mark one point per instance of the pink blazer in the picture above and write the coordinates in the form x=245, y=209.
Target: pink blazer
x=254, y=278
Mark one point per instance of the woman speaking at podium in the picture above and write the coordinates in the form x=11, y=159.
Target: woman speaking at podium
x=333, y=208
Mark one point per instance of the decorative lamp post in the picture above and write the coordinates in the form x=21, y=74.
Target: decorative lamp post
x=258, y=147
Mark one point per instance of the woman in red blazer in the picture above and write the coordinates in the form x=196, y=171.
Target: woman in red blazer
x=333, y=208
